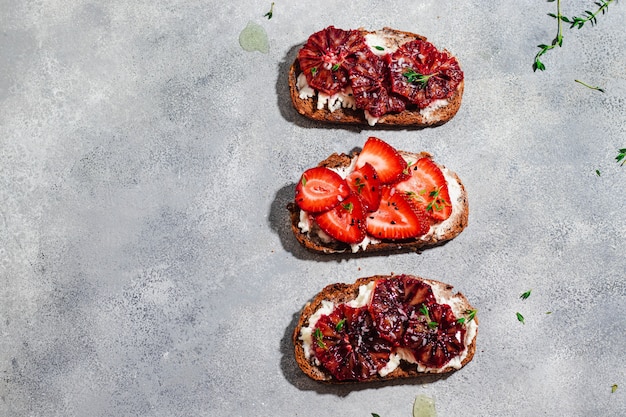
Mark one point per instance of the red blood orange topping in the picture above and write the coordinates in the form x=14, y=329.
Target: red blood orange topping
x=436, y=337
x=422, y=74
x=325, y=58
x=348, y=345
x=393, y=303
x=371, y=86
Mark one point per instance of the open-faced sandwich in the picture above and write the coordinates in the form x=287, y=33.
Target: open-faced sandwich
x=385, y=327
x=380, y=199
x=383, y=77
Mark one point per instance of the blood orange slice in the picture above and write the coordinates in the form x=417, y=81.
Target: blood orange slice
x=434, y=336
x=324, y=58
x=423, y=74
x=394, y=301
x=347, y=345
x=371, y=86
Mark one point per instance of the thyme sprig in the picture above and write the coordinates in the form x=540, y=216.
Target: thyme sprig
x=574, y=22
x=414, y=77
x=270, y=13
x=431, y=324
x=590, y=86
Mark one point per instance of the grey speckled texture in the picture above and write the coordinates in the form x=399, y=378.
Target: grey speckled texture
x=146, y=263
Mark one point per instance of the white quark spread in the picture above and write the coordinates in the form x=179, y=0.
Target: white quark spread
x=437, y=230
x=363, y=298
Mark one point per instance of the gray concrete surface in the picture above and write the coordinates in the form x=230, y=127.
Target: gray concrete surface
x=146, y=264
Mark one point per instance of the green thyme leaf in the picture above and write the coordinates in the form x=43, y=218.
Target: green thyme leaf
x=375, y=415
x=319, y=338
x=520, y=318
x=340, y=325
x=471, y=314
x=414, y=77
x=314, y=70
x=461, y=320
x=525, y=295
x=335, y=67
x=359, y=185
x=432, y=324
x=348, y=207
x=548, y=312
x=598, y=172
x=424, y=310
x=613, y=388
x=270, y=13
x=303, y=181
x=380, y=48
x=621, y=156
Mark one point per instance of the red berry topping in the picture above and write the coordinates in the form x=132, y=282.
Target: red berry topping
x=427, y=188
x=320, y=189
x=345, y=222
x=396, y=218
x=385, y=159
x=364, y=182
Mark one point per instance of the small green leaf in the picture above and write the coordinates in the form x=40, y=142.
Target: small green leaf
x=380, y=48
x=314, y=70
x=375, y=415
x=340, y=325
x=598, y=172
x=520, y=318
x=525, y=295
x=348, y=207
x=319, y=338
x=303, y=181
x=335, y=67
x=432, y=324
x=270, y=13
x=613, y=388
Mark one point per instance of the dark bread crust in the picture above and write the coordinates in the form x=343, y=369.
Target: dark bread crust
x=408, y=118
x=341, y=293
x=413, y=245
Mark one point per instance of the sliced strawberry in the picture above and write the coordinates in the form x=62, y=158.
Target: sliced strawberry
x=325, y=58
x=385, y=159
x=320, y=189
x=345, y=222
x=396, y=218
x=427, y=187
x=364, y=182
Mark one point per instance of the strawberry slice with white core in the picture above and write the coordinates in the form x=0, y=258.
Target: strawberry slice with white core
x=396, y=218
x=364, y=182
x=385, y=159
x=427, y=188
x=422, y=74
x=345, y=222
x=325, y=58
x=320, y=189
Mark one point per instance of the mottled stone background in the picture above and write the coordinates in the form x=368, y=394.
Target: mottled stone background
x=146, y=263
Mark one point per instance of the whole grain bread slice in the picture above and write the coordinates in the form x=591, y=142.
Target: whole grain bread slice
x=342, y=293
x=412, y=117
x=445, y=232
